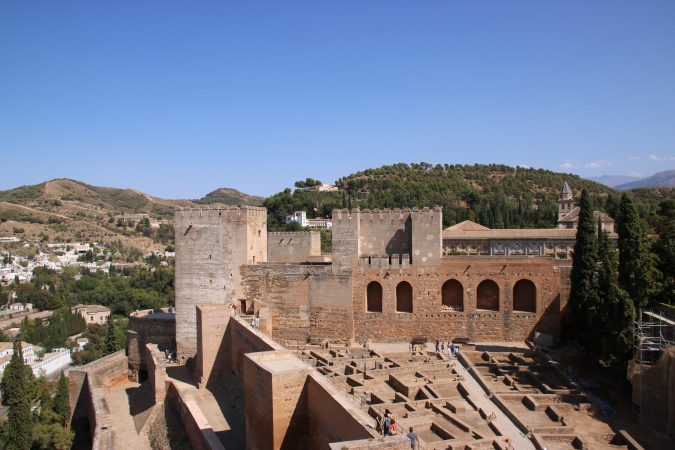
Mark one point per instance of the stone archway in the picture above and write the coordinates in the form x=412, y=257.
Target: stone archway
x=488, y=296
x=404, y=297
x=452, y=295
x=525, y=296
x=374, y=297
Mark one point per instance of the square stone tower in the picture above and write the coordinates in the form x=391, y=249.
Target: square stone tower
x=212, y=243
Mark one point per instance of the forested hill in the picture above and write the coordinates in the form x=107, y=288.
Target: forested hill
x=494, y=195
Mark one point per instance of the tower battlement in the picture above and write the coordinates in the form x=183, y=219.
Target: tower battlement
x=225, y=212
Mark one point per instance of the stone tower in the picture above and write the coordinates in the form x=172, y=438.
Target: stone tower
x=212, y=243
x=565, y=201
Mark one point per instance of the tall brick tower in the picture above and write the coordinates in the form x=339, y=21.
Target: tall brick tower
x=212, y=243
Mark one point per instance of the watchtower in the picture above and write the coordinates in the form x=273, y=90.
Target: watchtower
x=212, y=243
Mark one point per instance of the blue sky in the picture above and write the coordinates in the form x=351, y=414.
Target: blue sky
x=179, y=98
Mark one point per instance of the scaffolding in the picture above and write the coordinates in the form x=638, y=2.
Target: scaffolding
x=652, y=371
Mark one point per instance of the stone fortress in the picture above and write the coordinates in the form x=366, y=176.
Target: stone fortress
x=328, y=351
x=393, y=275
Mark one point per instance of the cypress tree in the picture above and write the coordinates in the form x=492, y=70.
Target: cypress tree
x=637, y=266
x=19, y=420
x=110, y=338
x=61, y=402
x=665, y=250
x=616, y=324
x=584, y=266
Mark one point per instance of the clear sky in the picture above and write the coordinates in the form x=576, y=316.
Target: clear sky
x=179, y=98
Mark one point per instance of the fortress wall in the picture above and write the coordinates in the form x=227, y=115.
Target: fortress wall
x=427, y=238
x=385, y=232
x=197, y=428
x=276, y=400
x=346, y=240
x=89, y=411
x=211, y=245
x=156, y=372
x=149, y=326
x=331, y=306
x=430, y=320
x=293, y=247
x=246, y=340
x=330, y=417
x=213, y=341
x=285, y=288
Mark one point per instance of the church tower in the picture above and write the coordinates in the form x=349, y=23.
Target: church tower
x=565, y=201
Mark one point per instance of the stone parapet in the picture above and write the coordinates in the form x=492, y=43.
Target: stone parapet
x=86, y=387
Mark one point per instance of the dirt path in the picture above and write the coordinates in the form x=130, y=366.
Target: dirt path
x=13, y=205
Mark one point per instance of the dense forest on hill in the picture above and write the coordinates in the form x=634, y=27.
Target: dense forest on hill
x=495, y=195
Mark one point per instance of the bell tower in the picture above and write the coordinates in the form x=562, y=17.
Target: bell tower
x=565, y=201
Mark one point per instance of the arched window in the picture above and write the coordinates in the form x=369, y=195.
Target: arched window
x=404, y=297
x=525, y=296
x=374, y=297
x=488, y=296
x=452, y=294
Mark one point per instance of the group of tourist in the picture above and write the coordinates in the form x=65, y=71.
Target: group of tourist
x=388, y=427
x=453, y=350
x=255, y=323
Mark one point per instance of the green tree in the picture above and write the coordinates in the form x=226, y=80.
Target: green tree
x=583, y=295
x=111, y=342
x=61, y=401
x=614, y=323
x=19, y=421
x=637, y=265
x=664, y=248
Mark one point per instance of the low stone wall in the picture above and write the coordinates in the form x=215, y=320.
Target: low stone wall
x=86, y=387
x=151, y=326
x=156, y=372
x=331, y=418
x=198, y=430
x=246, y=340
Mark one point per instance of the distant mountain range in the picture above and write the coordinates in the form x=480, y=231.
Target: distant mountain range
x=664, y=179
x=613, y=180
x=661, y=179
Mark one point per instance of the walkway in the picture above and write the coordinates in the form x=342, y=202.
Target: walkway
x=123, y=421
x=222, y=405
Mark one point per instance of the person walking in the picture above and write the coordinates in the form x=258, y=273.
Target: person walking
x=411, y=346
x=437, y=348
x=387, y=424
x=442, y=348
x=378, y=424
x=413, y=439
x=456, y=351
x=393, y=428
